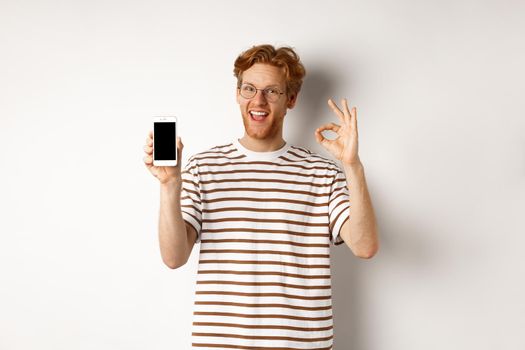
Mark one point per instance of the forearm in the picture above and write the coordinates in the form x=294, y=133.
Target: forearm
x=173, y=238
x=362, y=224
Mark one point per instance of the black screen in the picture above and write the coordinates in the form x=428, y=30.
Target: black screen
x=164, y=143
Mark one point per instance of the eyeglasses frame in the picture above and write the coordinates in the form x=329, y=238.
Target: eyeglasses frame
x=263, y=92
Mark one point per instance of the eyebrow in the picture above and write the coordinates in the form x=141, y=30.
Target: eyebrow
x=272, y=85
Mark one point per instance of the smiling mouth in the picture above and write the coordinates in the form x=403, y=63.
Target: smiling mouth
x=258, y=116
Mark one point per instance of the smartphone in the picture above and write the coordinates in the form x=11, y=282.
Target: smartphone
x=165, y=141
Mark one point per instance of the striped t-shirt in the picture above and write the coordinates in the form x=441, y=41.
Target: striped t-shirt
x=265, y=222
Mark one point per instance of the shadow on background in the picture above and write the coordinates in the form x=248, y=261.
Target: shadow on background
x=311, y=110
x=349, y=273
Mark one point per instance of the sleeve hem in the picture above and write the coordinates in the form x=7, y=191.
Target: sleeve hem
x=196, y=226
x=336, y=238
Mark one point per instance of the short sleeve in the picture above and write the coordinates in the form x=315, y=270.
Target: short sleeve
x=338, y=206
x=190, y=200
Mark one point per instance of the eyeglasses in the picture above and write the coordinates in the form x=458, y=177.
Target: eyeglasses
x=249, y=91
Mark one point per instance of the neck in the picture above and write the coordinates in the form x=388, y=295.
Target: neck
x=265, y=145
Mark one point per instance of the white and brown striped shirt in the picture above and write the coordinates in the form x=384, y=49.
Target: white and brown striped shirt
x=265, y=222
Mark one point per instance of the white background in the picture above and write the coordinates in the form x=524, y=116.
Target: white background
x=439, y=92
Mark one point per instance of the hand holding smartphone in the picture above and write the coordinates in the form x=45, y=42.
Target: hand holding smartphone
x=165, y=141
x=163, y=149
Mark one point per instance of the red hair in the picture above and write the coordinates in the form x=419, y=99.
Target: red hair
x=282, y=57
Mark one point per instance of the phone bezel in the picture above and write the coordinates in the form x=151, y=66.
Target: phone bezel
x=165, y=119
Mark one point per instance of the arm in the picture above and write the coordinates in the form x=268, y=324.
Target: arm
x=176, y=237
x=360, y=231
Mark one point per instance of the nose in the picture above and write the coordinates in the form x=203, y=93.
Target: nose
x=260, y=98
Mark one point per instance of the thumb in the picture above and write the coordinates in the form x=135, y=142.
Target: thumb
x=321, y=139
x=180, y=147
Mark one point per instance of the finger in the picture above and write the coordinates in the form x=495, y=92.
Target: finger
x=354, y=118
x=346, y=110
x=148, y=149
x=320, y=137
x=150, y=134
x=180, y=146
x=148, y=160
x=149, y=142
x=336, y=110
x=329, y=126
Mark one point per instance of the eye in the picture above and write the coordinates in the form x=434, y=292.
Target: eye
x=272, y=91
x=248, y=88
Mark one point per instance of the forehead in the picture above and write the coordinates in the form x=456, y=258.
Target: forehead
x=261, y=74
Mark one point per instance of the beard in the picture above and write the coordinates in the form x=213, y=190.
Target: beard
x=265, y=130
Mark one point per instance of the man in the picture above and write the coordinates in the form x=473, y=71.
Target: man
x=265, y=213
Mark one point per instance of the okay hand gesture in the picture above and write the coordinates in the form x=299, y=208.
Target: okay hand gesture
x=344, y=146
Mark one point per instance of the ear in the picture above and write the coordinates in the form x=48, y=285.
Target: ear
x=237, y=95
x=291, y=101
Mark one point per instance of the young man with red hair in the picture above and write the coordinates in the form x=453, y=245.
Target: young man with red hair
x=265, y=213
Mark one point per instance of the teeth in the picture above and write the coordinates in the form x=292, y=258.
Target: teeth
x=258, y=113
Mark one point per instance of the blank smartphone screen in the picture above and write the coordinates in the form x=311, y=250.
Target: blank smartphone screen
x=164, y=142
